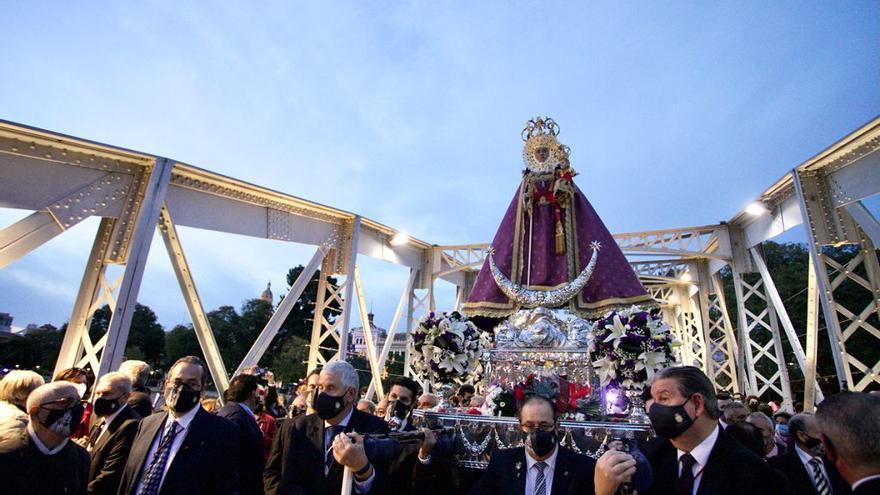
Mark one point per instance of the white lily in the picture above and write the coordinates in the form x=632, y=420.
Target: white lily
x=456, y=363
x=651, y=361
x=606, y=369
x=618, y=330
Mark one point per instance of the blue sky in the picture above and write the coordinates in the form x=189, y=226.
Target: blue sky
x=677, y=113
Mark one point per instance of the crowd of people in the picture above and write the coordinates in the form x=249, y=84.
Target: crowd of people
x=126, y=440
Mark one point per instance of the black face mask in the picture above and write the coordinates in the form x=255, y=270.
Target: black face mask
x=815, y=446
x=670, y=421
x=63, y=421
x=328, y=406
x=182, y=398
x=105, y=406
x=397, y=409
x=541, y=442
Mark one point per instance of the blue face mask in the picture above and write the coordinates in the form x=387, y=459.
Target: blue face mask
x=782, y=429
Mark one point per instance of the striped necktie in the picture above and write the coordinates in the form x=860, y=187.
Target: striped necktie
x=152, y=479
x=541, y=481
x=822, y=487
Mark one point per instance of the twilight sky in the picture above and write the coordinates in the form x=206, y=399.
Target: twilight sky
x=677, y=114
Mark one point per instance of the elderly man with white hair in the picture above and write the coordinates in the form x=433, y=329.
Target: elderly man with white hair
x=309, y=452
x=14, y=390
x=111, y=433
x=139, y=398
x=45, y=460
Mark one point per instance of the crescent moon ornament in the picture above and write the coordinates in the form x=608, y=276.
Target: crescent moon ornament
x=533, y=298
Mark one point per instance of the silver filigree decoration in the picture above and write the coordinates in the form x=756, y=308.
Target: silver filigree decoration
x=543, y=328
x=533, y=298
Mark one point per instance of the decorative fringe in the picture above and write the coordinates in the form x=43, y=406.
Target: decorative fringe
x=560, y=238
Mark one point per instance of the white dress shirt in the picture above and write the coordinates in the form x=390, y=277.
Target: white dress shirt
x=805, y=459
x=359, y=486
x=700, y=453
x=183, y=423
x=532, y=471
x=40, y=445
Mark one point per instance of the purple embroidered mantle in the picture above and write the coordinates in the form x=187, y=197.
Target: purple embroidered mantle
x=613, y=284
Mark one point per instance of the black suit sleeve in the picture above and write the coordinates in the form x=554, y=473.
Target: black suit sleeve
x=272, y=475
x=119, y=445
x=489, y=483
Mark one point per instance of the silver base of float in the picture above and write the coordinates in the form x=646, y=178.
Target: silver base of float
x=477, y=437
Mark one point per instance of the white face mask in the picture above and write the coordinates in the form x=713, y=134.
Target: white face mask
x=81, y=388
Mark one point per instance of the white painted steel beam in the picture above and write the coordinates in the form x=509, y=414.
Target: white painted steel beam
x=351, y=267
x=143, y=227
x=372, y=356
x=201, y=325
x=392, y=329
x=261, y=344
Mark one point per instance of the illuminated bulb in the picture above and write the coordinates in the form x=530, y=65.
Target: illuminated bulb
x=756, y=209
x=399, y=239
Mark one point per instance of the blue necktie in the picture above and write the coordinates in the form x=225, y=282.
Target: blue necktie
x=328, y=455
x=152, y=479
x=541, y=480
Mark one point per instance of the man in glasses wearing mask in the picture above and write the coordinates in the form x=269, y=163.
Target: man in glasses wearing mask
x=541, y=466
x=697, y=456
x=111, y=434
x=43, y=459
x=805, y=466
x=310, y=455
x=184, y=450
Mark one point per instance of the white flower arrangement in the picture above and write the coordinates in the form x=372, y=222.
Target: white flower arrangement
x=447, y=349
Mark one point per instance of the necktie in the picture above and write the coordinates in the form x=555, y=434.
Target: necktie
x=95, y=433
x=328, y=455
x=819, y=479
x=152, y=479
x=685, y=484
x=541, y=481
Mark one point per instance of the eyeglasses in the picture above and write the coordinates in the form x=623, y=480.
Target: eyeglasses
x=529, y=427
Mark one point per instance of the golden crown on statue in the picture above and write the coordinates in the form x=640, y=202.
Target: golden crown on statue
x=542, y=152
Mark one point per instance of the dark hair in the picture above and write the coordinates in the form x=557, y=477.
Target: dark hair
x=796, y=423
x=192, y=360
x=466, y=389
x=536, y=398
x=316, y=371
x=70, y=374
x=851, y=422
x=240, y=388
x=407, y=383
x=765, y=408
x=748, y=435
x=782, y=414
x=723, y=395
x=692, y=380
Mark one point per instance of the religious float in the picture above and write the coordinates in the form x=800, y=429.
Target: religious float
x=561, y=313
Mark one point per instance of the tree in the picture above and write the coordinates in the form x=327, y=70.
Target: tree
x=788, y=265
x=146, y=337
x=179, y=342
x=38, y=350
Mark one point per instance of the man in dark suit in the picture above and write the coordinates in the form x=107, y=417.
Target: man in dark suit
x=241, y=400
x=185, y=450
x=310, y=452
x=541, y=466
x=111, y=435
x=850, y=426
x=139, y=399
x=698, y=457
x=805, y=466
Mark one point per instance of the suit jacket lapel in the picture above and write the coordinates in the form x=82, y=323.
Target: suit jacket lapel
x=562, y=473
x=713, y=473
x=193, y=437
x=141, y=448
x=521, y=469
x=112, y=427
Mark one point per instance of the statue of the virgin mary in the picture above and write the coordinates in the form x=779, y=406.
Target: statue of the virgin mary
x=547, y=239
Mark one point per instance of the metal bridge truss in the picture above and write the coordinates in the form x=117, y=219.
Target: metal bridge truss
x=65, y=180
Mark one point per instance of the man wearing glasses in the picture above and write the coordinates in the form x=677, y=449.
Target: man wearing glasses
x=541, y=466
